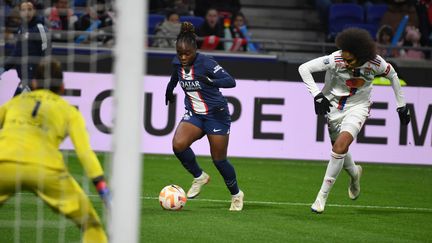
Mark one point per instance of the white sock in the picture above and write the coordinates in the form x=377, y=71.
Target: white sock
x=333, y=169
x=350, y=166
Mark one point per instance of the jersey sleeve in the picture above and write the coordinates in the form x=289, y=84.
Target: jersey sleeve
x=315, y=65
x=220, y=77
x=2, y=115
x=388, y=71
x=173, y=81
x=80, y=139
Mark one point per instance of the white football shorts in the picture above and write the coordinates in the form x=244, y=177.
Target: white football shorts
x=350, y=120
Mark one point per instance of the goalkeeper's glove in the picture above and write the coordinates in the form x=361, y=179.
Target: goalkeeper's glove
x=322, y=104
x=404, y=115
x=103, y=190
x=204, y=79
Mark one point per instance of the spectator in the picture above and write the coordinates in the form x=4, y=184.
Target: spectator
x=31, y=45
x=59, y=18
x=169, y=28
x=98, y=19
x=397, y=9
x=412, y=39
x=239, y=37
x=424, y=10
x=212, y=29
x=226, y=8
x=12, y=24
x=384, y=38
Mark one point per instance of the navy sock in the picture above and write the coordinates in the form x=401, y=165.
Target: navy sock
x=188, y=160
x=228, y=173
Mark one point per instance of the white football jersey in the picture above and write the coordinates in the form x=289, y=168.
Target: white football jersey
x=348, y=87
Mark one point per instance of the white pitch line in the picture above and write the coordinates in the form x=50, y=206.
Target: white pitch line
x=308, y=204
x=282, y=203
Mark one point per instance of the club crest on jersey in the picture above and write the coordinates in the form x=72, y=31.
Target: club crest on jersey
x=326, y=61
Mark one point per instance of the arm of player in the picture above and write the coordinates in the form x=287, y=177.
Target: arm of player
x=402, y=109
x=169, y=96
x=2, y=115
x=86, y=155
x=217, y=76
x=391, y=74
x=316, y=65
x=80, y=138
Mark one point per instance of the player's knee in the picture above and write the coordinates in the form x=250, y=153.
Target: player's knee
x=179, y=145
x=340, y=148
x=218, y=157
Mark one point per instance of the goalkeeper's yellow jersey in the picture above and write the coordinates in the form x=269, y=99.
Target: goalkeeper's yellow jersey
x=33, y=125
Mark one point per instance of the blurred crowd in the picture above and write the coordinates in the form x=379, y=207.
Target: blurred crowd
x=77, y=21
x=219, y=24
x=223, y=26
x=414, y=16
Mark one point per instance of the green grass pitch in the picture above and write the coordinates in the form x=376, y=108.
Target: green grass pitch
x=395, y=205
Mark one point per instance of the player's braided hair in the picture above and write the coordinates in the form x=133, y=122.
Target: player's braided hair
x=187, y=34
x=358, y=42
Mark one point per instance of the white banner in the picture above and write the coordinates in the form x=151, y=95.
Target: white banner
x=270, y=120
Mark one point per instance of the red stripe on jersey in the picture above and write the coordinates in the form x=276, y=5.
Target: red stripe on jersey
x=387, y=69
x=188, y=76
x=376, y=62
x=202, y=101
x=205, y=104
x=343, y=99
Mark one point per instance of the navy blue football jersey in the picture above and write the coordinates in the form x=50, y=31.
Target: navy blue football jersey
x=201, y=98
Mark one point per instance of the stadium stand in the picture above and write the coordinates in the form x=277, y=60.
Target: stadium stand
x=343, y=14
x=374, y=13
x=153, y=21
x=195, y=20
x=295, y=20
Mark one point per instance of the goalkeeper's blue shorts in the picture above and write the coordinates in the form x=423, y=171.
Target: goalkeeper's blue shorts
x=216, y=123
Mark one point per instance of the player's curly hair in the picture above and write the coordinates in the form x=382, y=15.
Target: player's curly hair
x=187, y=34
x=358, y=42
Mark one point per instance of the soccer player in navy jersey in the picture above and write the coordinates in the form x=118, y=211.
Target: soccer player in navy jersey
x=206, y=113
x=345, y=101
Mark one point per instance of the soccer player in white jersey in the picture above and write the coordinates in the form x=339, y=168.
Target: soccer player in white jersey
x=345, y=100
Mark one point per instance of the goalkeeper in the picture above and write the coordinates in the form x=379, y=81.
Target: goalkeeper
x=32, y=127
